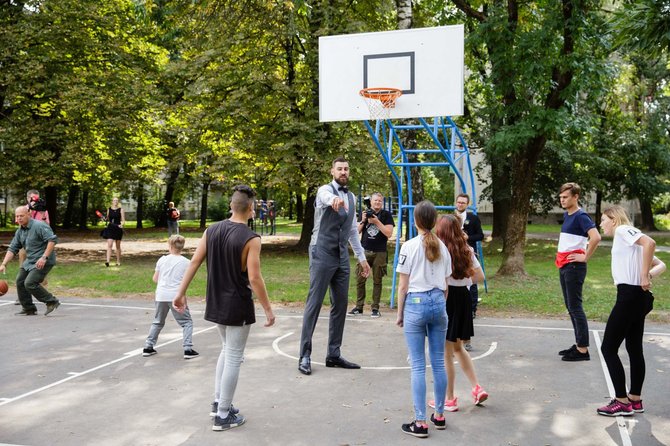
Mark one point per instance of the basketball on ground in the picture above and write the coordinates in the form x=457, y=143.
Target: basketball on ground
x=3, y=287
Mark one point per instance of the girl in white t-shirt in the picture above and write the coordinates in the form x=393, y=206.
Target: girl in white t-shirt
x=633, y=267
x=466, y=270
x=423, y=266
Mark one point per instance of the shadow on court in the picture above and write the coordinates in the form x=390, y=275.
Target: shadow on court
x=77, y=377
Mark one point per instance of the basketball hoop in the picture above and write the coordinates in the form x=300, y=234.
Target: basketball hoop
x=380, y=101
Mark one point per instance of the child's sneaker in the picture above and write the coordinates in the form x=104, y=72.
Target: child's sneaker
x=637, y=406
x=231, y=421
x=451, y=405
x=415, y=430
x=148, y=351
x=479, y=394
x=190, y=354
x=616, y=408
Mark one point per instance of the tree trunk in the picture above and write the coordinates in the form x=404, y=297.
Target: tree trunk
x=168, y=197
x=308, y=219
x=203, y=203
x=139, y=197
x=599, y=205
x=500, y=197
x=68, y=216
x=83, y=211
x=646, y=216
x=299, y=211
x=51, y=199
x=290, y=206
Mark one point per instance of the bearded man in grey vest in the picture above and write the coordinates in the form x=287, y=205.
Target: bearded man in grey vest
x=334, y=225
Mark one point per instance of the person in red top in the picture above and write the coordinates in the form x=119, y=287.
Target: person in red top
x=576, y=244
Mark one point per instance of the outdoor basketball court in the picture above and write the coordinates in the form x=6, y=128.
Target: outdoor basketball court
x=78, y=377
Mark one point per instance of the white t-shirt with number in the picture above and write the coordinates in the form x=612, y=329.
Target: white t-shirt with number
x=626, y=255
x=171, y=269
x=423, y=275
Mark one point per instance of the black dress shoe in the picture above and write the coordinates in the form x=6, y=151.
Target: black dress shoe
x=342, y=363
x=305, y=365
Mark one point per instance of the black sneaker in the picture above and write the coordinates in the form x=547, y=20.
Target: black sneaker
x=25, y=312
x=415, y=430
x=51, y=306
x=231, y=421
x=215, y=409
x=576, y=355
x=567, y=350
x=375, y=313
x=190, y=354
x=355, y=312
x=439, y=424
x=149, y=351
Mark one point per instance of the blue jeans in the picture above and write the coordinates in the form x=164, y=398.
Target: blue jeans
x=425, y=313
x=572, y=278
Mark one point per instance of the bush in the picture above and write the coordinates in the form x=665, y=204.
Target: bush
x=219, y=210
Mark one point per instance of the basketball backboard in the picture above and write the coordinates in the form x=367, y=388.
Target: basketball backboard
x=425, y=63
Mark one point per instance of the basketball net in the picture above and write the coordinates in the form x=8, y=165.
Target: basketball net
x=380, y=101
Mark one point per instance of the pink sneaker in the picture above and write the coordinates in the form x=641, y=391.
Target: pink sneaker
x=479, y=394
x=637, y=406
x=451, y=405
x=616, y=408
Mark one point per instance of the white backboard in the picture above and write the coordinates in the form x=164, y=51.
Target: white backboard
x=426, y=63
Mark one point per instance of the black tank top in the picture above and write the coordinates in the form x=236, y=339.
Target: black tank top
x=229, y=299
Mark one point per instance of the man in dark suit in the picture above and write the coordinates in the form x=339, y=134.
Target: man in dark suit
x=472, y=227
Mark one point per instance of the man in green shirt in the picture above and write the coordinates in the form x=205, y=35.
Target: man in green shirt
x=39, y=241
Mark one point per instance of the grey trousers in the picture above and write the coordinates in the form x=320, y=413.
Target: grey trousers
x=325, y=272
x=29, y=285
x=183, y=319
x=233, y=342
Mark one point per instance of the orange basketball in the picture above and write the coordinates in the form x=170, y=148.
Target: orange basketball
x=3, y=287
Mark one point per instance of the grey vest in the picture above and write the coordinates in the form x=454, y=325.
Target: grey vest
x=332, y=229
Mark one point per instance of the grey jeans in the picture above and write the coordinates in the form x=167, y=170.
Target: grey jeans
x=29, y=285
x=233, y=342
x=183, y=319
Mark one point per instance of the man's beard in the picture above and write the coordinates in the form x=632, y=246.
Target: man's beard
x=342, y=181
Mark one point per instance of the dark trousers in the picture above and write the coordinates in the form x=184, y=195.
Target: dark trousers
x=377, y=261
x=626, y=322
x=474, y=296
x=29, y=285
x=325, y=271
x=572, y=278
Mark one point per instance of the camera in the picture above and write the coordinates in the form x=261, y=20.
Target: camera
x=37, y=204
x=369, y=213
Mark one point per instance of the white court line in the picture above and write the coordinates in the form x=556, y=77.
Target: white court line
x=621, y=423
x=279, y=351
x=74, y=375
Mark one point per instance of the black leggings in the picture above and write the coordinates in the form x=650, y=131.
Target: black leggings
x=626, y=321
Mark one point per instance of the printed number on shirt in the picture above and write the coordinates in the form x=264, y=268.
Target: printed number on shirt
x=401, y=259
x=633, y=232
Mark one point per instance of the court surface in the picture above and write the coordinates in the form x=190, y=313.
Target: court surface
x=77, y=377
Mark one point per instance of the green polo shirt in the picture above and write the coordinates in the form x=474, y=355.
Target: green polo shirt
x=34, y=238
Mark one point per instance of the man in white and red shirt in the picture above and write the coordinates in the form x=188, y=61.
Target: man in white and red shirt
x=576, y=244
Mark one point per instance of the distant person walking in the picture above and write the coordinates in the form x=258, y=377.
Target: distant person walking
x=113, y=233
x=169, y=271
x=578, y=241
x=233, y=254
x=39, y=241
x=633, y=268
x=173, y=216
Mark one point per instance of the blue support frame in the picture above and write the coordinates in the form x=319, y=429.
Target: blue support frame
x=450, y=149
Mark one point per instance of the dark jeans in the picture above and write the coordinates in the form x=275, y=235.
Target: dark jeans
x=28, y=283
x=626, y=321
x=474, y=295
x=572, y=280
